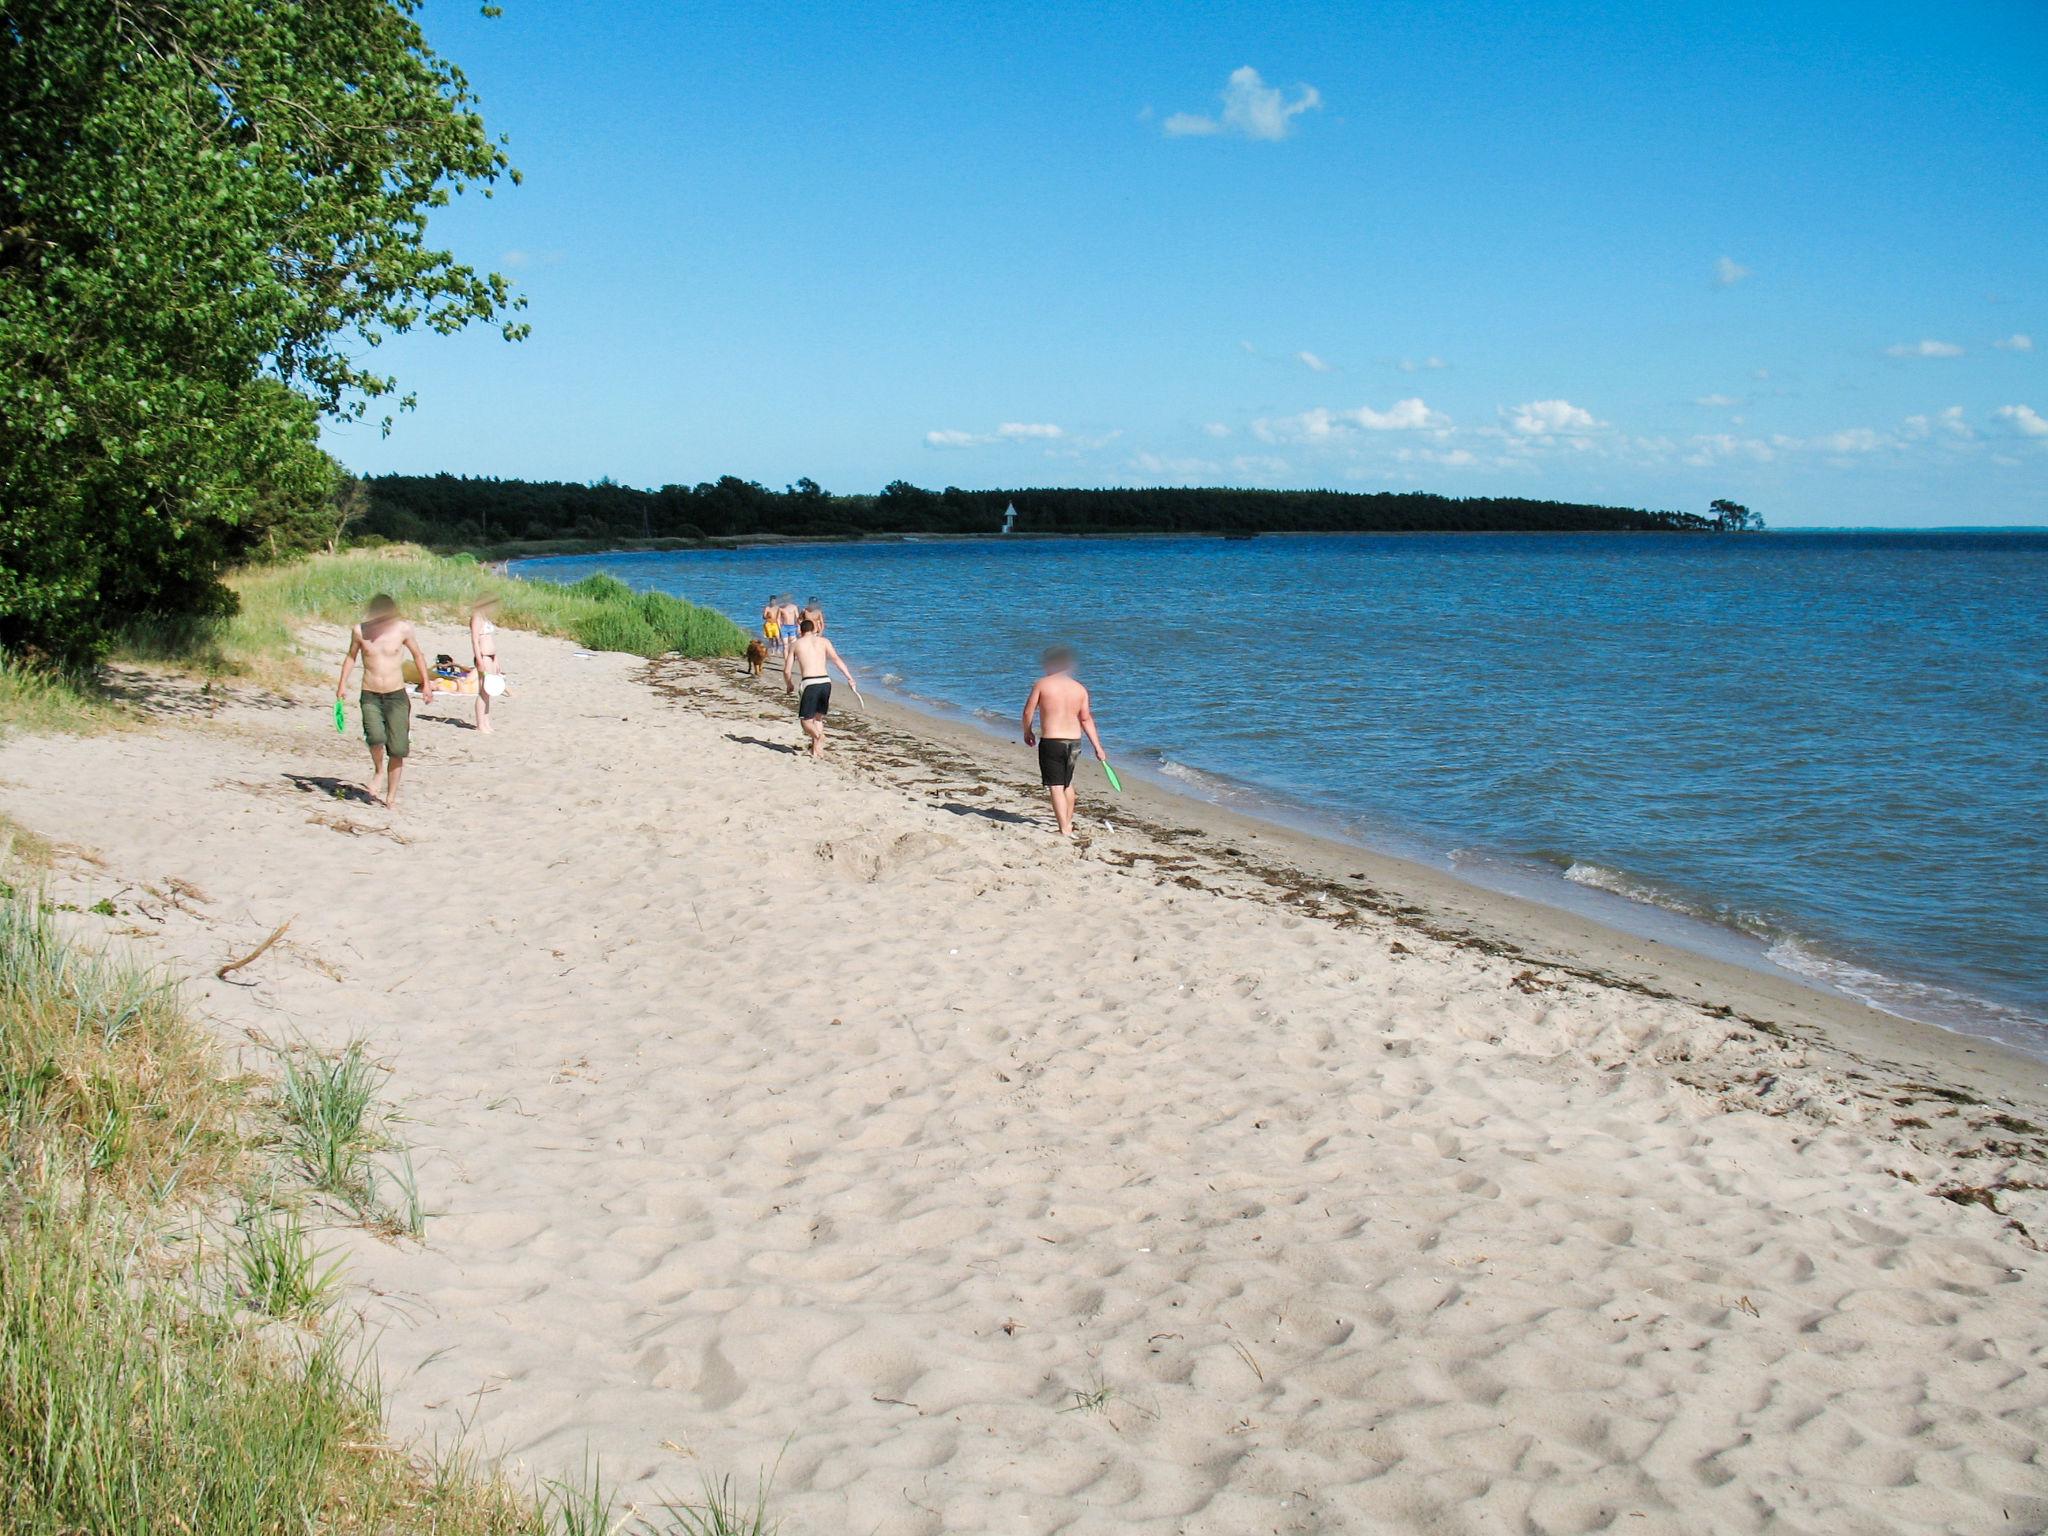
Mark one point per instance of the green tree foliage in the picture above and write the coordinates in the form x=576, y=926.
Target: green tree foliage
x=210, y=212
x=456, y=512
x=1734, y=517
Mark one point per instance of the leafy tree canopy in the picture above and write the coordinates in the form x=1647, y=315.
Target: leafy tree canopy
x=211, y=212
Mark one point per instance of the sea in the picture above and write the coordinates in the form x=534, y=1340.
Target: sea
x=1820, y=753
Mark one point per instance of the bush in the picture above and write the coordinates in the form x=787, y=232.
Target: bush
x=605, y=589
x=619, y=629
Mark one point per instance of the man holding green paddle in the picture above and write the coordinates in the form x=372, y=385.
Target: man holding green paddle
x=1060, y=704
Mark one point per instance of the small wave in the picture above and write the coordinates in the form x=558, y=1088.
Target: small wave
x=1920, y=1001
x=1615, y=883
x=891, y=679
x=1600, y=878
x=1209, y=785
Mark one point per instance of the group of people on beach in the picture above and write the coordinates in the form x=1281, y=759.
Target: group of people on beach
x=382, y=642
x=1057, y=713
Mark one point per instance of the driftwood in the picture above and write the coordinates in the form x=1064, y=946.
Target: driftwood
x=236, y=965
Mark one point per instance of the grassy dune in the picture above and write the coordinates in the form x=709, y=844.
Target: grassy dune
x=140, y=1386
x=260, y=641
x=599, y=612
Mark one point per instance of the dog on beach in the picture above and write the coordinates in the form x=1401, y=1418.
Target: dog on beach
x=757, y=658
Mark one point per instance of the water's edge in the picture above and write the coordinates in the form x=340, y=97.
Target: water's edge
x=1615, y=898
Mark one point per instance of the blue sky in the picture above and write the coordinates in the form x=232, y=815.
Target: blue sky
x=1648, y=254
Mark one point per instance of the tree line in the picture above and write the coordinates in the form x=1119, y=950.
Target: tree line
x=469, y=512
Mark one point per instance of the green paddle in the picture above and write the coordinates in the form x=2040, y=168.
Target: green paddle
x=1115, y=783
x=340, y=715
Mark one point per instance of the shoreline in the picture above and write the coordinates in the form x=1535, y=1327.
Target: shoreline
x=1625, y=899
x=593, y=549
x=1301, y=867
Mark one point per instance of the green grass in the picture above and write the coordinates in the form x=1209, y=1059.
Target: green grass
x=137, y=1392
x=35, y=700
x=260, y=641
x=134, y=1396
x=326, y=1103
x=280, y=1270
x=599, y=613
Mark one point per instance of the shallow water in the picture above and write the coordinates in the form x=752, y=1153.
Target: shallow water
x=1830, y=750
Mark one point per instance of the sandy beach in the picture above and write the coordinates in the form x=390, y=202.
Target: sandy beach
x=837, y=1119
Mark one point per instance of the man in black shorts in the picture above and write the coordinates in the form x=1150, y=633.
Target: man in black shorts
x=1060, y=704
x=807, y=657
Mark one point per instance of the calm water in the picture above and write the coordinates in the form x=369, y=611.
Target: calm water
x=1827, y=752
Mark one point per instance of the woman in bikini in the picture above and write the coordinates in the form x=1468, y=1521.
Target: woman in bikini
x=483, y=646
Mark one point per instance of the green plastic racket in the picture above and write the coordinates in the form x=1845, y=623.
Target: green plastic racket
x=1115, y=783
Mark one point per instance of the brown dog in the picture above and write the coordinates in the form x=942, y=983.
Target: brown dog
x=757, y=658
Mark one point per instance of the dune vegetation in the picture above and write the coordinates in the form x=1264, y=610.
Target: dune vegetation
x=275, y=601
x=260, y=639
x=173, y=1353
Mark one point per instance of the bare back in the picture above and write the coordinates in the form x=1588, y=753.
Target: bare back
x=811, y=654
x=1062, y=705
x=383, y=646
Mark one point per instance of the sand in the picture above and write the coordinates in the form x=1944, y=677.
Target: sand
x=838, y=1119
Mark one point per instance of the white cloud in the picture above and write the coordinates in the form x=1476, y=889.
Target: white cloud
x=2029, y=421
x=1927, y=348
x=1717, y=400
x=1547, y=418
x=1427, y=364
x=1849, y=440
x=1320, y=424
x=1252, y=109
x=1216, y=429
x=1761, y=374
x=1313, y=363
x=1009, y=431
x=1949, y=422
x=1712, y=447
x=2018, y=341
x=1409, y=415
x=1728, y=272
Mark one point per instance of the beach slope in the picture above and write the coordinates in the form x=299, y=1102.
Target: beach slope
x=838, y=1119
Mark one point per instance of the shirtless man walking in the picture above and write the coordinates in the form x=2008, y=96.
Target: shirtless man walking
x=791, y=616
x=808, y=657
x=382, y=640
x=1061, y=705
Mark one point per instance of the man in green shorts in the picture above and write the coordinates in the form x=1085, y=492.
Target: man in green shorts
x=382, y=640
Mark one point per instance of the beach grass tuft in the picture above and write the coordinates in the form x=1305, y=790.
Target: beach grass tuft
x=325, y=1101
x=280, y=1270
x=41, y=701
x=722, y=1509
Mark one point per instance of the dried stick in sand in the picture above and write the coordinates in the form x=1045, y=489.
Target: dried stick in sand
x=236, y=965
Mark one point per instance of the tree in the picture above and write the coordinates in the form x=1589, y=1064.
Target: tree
x=1734, y=517
x=210, y=210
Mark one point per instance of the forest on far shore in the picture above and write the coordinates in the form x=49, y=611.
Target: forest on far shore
x=470, y=512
